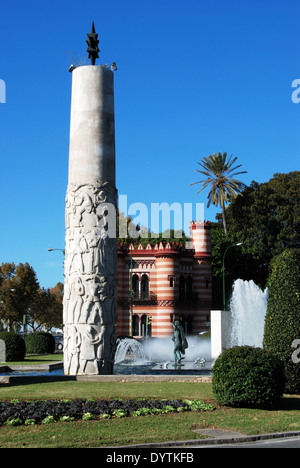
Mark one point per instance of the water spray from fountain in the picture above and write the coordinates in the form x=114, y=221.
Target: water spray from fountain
x=158, y=353
x=130, y=350
x=248, y=306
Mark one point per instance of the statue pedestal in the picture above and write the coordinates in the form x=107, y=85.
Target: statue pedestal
x=220, y=332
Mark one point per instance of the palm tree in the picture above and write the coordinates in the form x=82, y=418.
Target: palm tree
x=223, y=186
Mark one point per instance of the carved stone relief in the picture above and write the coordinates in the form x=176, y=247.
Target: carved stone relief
x=90, y=296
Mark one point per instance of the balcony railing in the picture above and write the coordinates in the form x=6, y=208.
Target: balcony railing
x=143, y=296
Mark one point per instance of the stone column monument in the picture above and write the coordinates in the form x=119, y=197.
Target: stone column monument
x=90, y=294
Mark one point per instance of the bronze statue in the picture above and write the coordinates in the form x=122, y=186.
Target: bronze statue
x=180, y=342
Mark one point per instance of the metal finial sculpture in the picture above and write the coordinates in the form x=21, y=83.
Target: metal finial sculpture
x=92, y=43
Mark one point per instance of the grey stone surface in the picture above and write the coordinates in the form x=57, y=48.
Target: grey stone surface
x=2, y=351
x=90, y=293
x=218, y=433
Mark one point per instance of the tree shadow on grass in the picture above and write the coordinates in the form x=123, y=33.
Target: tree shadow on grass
x=289, y=403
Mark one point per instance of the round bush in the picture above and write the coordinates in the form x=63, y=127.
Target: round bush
x=40, y=343
x=14, y=346
x=244, y=376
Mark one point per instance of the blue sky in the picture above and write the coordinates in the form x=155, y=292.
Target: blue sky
x=194, y=77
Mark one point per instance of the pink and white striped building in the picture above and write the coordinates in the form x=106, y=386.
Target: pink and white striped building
x=169, y=281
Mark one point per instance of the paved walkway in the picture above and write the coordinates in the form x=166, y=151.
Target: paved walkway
x=219, y=438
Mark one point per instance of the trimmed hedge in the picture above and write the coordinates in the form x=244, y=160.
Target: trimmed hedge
x=14, y=346
x=282, y=324
x=40, y=343
x=244, y=376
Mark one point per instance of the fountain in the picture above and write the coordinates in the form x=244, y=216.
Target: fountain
x=248, y=306
x=156, y=355
x=130, y=350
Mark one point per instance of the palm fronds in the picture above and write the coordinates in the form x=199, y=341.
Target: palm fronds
x=220, y=177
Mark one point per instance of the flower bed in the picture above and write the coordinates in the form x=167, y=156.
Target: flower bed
x=16, y=412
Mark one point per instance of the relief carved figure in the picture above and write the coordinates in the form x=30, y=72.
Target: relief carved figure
x=72, y=342
x=90, y=279
x=76, y=301
x=107, y=347
x=87, y=205
x=91, y=309
x=88, y=351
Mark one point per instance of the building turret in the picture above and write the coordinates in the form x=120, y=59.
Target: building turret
x=200, y=236
x=167, y=262
x=202, y=282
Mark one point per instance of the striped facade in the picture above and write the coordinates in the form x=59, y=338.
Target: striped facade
x=159, y=284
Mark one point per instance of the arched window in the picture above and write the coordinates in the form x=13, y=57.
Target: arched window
x=135, y=286
x=135, y=324
x=189, y=288
x=172, y=281
x=144, y=325
x=185, y=288
x=145, y=287
x=182, y=288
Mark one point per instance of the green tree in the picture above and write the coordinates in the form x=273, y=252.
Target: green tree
x=270, y=215
x=56, y=310
x=220, y=178
x=282, y=324
x=18, y=290
x=47, y=309
x=266, y=219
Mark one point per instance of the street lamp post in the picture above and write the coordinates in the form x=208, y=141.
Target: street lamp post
x=131, y=296
x=224, y=299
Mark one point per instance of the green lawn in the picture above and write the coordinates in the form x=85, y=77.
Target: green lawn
x=138, y=430
x=34, y=360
